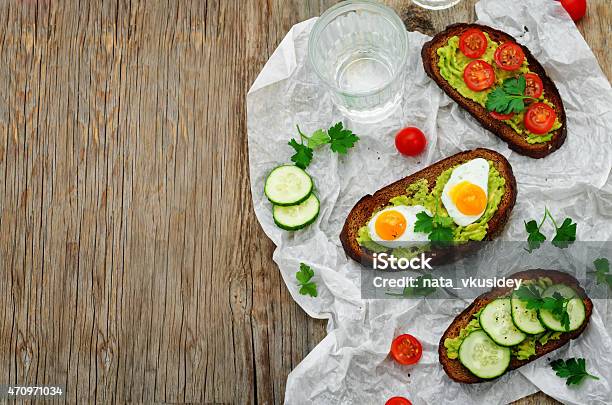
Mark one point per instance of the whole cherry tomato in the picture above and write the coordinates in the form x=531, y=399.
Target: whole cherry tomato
x=575, y=8
x=398, y=401
x=410, y=141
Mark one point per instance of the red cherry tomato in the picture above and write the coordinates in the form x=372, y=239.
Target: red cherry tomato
x=533, y=86
x=509, y=56
x=406, y=349
x=398, y=401
x=478, y=75
x=539, y=118
x=473, y=43
x=410, y=141
x=575, y=8
x=500, y=116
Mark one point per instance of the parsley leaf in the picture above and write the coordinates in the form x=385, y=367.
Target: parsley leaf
x=535, y=238
x=309, y=289
x=574, y=370
x=318, y=138
x=303, y=154
x=303, y=276
x=498, y=100
x=602, y=271
x=440, y=234
x=419, y=290
x=531, y=295
x=438, y=227
x=424, y=223
x=341, y=139
x=509, y=97
x=443, y=221
x=556, y=304
x=338, y=138
x=515, y=86
x=566, y=234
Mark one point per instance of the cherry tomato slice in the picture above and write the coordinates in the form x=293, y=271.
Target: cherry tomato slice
x=509, y=56
x=534, y=86
x=500, y=116
x=478, y=75
x=539, y=118
x=398, y=401
x=575, y=8
x=410, y=141
x=473, y=43
x=406, y=349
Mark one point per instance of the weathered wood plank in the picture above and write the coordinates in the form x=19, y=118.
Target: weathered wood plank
x=132, y=267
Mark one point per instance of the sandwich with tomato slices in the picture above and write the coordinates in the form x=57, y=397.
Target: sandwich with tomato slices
x=500, y=83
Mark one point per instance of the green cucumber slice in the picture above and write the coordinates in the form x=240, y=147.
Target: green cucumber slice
x=576, y=312
x=496, y=321
x=524, y=318
x=482, y=356
x=294, y=217
x=564, y=290
x=288, y=185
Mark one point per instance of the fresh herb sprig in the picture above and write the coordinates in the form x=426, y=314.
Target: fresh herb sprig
x=509, y=97
x=420, y=290
x=557, y=304
x=304, y=276
x=602, y=271
x=340, y=140
x=564, y=236
x=573, y=369
x=439, y=227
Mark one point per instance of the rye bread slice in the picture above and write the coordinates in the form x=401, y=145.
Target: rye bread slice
x=367, y=205
x=453, y=367
x=514, y=140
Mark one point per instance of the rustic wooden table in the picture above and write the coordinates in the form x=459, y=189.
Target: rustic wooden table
x=132, y=266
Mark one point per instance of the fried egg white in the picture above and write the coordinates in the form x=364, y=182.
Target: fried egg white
x=465, y=194
x=394, y=226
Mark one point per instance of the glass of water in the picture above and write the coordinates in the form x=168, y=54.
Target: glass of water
x=435, y=4
x=358, y=49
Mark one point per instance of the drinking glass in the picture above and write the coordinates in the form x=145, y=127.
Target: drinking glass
x=358, y=49
x=435, y=4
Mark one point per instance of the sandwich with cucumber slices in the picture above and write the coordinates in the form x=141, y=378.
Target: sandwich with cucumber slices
x=506, y=328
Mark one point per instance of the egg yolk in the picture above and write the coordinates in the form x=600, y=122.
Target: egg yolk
x=390, y=225
x=468, y=198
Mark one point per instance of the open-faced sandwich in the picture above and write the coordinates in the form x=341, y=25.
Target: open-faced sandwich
x=464, y=198
x=506, y=328
x=501, y=84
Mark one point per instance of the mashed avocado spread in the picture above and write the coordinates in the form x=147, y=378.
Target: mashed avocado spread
x=418, y=193
x=522, y=351
x=452, y=63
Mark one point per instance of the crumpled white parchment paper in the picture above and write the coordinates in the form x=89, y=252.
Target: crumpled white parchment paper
x=351, y=365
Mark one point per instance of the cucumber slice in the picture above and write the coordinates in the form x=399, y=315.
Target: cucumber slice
x=296, y=217
x=288, y=185
x=524, y=318
x=564, y=290
x=576, y=312
x=496, y=321
x=482, y=356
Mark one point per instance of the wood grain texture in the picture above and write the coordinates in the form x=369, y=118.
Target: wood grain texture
x=132, y=267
